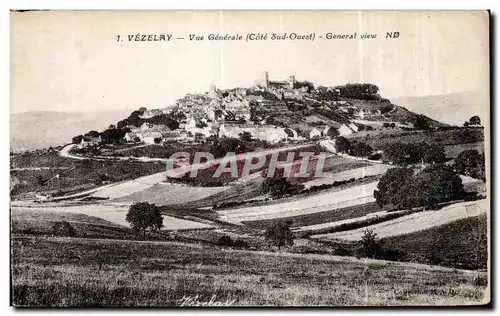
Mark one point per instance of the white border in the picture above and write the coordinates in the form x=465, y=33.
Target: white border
x=200, y=4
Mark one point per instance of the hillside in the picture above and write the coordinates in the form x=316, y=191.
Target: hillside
x=448, y=108
x=464, y=241
x=43, y=129
x=300, y=107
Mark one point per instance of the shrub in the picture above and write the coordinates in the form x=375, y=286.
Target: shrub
x=224, y=241
x=342, y=145
x=342, y=250
x=279, y=187
x=370, y=245
x=63, y=229
x=240, y=243
x=280, y=234
x=471, y=163
x=480, y=280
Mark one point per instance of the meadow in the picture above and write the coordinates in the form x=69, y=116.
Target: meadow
x=90, y=272
x=453, y=136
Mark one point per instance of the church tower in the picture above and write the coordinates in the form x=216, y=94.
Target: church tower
x=291, y=81
x=266, y=79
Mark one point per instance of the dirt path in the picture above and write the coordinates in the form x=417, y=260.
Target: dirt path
x=65, y=152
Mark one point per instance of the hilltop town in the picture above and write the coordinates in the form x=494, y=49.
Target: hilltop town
x=270, y=110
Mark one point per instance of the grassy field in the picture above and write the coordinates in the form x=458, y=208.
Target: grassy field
x=112, y=213
x=379, y=140
x=39, y=158
x=40, y=223
x=91, y=272
x=462, y=243
x=235, y=193
x=315, y=203
x=210, y=177
x=84, y=174
x=322, y=217
x=452, y=151
x=414, y=222
x=371, y=170
x=164, y=194
x=332, y=165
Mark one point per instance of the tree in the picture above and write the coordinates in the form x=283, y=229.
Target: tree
x=342, y=145
x=332, y=132
x=77, y=139
x=299, y=84
x=361, y=149
x=470, y=163
x=288, y=132
x=421, y=122
x=434, y=153
x=143, y=216
x=110, y=136
x=280, y=234
x=435, y=184
x=245, y=136
x=363, y=91
x=370, y=244
x=389, y=185
x=64, y=229
x=224, y=241
x=466, y=124
x=279, y=187
x=400, y=153
x=475, y=120
x=93, y=134
x=396, y=153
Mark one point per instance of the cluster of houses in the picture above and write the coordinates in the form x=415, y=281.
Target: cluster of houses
x=149, y=133
x=226, y=113
x=90, y=141
x=344, y=130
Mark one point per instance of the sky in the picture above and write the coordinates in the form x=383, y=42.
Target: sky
x=72, y=61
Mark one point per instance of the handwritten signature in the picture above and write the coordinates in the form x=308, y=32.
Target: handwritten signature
x=197, y=300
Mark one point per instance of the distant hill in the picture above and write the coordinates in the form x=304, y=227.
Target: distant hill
x=42, y=129
x=448, y=108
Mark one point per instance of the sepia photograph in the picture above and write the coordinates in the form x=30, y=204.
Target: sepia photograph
x=249, y=158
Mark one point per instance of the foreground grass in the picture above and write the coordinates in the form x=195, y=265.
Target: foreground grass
x=49, y=271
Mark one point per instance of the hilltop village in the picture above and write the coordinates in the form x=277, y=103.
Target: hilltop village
x=271, y=110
